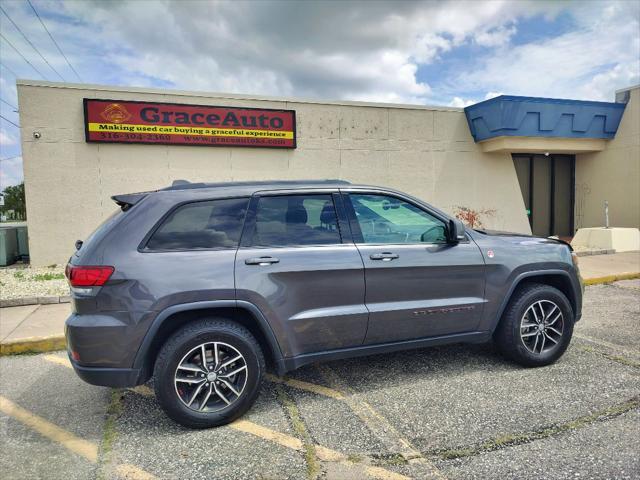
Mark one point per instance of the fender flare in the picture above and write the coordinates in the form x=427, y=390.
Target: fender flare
x=533, y=273
x=140, y=361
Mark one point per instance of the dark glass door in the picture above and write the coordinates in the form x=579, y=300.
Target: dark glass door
x=547, y=183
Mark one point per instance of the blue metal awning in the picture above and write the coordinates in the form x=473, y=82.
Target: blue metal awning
x=543, y=117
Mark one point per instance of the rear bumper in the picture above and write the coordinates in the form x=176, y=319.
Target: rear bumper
x=107, y=377
x=103, y=346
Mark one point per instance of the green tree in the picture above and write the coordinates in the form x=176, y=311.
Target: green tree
x=14, y=204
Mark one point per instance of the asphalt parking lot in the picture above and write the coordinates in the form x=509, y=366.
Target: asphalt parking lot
x=448, y=412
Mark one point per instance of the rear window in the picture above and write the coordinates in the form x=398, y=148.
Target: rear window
x=102, y=230
x=296, y=220
x=201, y=225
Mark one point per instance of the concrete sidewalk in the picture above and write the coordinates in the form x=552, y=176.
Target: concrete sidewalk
x=32, y=328
x=38, y=328
x=596, y=267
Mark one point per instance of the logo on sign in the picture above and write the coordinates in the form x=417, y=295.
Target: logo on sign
x=115, y=113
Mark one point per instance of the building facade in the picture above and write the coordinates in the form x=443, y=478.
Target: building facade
x=511, y=163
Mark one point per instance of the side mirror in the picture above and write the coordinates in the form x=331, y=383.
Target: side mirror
x=456, y=231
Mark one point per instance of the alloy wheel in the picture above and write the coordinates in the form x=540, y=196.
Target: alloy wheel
x=542, y=327
x=211, y=377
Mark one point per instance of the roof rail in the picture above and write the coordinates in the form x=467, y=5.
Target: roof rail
x=186, y=185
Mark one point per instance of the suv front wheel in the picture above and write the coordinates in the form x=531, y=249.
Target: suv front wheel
x=208, y=373
x=536, y=327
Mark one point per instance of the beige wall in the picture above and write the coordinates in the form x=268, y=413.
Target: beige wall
x=428, y=152
x=613, y=175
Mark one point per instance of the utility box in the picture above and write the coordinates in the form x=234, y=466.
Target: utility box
x=23, y=241
x=8, y=245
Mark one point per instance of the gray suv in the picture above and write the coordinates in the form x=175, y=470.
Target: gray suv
x=201, y=285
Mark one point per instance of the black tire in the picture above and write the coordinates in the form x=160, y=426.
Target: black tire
x=185, y=341
x=508, y=333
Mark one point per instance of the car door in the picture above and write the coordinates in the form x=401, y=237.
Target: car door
x=417, y=284
x=294, y=266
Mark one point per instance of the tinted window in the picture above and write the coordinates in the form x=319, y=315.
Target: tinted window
x=102, y=229
x=385, y=219
x=296, y=220
x=212, y=224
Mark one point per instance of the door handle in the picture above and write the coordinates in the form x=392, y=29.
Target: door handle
x=261, y=260
x=384, y=256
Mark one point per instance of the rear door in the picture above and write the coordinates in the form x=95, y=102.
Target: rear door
x=295, y=267
x=417, y=284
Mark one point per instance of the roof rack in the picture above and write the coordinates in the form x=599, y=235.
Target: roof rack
x=186, y=185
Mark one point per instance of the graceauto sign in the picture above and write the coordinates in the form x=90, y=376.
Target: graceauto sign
x=119, y=121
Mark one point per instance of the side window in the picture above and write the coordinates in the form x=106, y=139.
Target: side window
x=295, y=220
x=198, y=225
x=384, y=219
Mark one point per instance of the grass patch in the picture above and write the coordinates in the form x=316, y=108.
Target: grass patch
x=389, y=459
x=19, y=275
x=44, y=277
x=523, y=438
x=615, y=358
x=313, y=466
x=109, y=434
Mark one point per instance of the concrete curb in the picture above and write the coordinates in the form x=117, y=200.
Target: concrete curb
x=33, y=345
x=18, y=302
x=588, y=253
x=611, y=278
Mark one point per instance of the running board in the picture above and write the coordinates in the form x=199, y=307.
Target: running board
x=292, y=363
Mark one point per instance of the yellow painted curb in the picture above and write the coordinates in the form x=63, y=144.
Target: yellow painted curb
x=33, y=345
x=611, y=278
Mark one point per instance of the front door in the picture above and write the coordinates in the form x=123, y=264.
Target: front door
x=547, y=183
x=293, y=265
x=417, y=284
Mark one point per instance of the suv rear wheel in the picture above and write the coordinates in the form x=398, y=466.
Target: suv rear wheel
x=536, y=327
x=208, y=373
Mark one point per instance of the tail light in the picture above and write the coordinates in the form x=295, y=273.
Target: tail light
x=88, y=276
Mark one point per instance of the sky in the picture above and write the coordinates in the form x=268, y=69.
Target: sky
x=451, y=53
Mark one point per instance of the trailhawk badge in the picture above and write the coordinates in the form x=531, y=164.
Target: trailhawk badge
x=115, y=113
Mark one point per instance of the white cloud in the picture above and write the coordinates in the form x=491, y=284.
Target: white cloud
x=496, y=37
x=603, y=85
x=490, y=95
x=461, y=102
x=590, y=61
x=351, y=50
x=6, y=139
x=10, y=172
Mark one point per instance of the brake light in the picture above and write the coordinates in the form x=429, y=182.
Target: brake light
x=88, y=276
